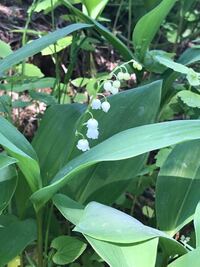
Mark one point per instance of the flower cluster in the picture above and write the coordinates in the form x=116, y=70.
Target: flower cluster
x=111, y=86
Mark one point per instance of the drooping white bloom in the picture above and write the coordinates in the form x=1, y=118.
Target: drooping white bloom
x=114, y=90
x=92, y=133
x=92, y=124
x=105, y=106
x=127, y=76
x=120, y=75
x=96, y=104
x=193, y=77
x=107, y=86
x=83, y=145
x=116, y=84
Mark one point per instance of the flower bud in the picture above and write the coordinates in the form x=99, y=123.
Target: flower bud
x=83, y=145
x=105, y=106
x=96, y=104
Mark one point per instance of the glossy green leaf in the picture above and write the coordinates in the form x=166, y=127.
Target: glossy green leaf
x=189, y=259
x=172, y=65
x=5, y=49
x=115, y=254
x=14, y=238
x=38, y=45
x=59, y=46
x=177, y=190
x=54, y=141
x=112, y=225
x=30, y=70
x=27, y=85
x=94, y=7
x=8, y=180
x=126, y=255
x=189, y=98
x=147, y=27
x=124, y=145
x=68, y=249
x=18, y=147
x=190, y=56
x=111, y=38
x=197, y=225
x=59, y=125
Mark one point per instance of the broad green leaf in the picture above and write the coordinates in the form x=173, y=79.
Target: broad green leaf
x=5, y=49
x=59, y=46
x=46, y=98
x=54, y=141
x=172, y=65
x=112, y=225
x=162, y=156
x=27, y=85
x=189, y=98
x=46, y=5
x=147, y=27
x=197, y=225
x=189, y=259
x=111, y=38
x=124, y=145
x=30, y=70
x=126, y=255
x=18, y=147
x=59, y=125
x=177, y=190
x=14, y=238
x=80, y=82
x=190, y=56
x=38, y=45
x=95, y=7
x=115, y=254
x=68, y=249
x=8, y=180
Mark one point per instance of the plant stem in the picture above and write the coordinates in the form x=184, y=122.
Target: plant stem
x=39, y=217
x=46, y=242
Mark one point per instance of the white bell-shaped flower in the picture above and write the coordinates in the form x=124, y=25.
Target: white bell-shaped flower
x=83, y=145
x=92, y=133
x=127, y=76
x=105, y=106
x=116, y=84
x=96, y=104
x=92, y=124
x=120, y=75
x=114, y=90
x=107, y=86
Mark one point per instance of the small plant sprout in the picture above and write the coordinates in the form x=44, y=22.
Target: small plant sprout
x=193, y=77
x=96, y=104
x=105, y=106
